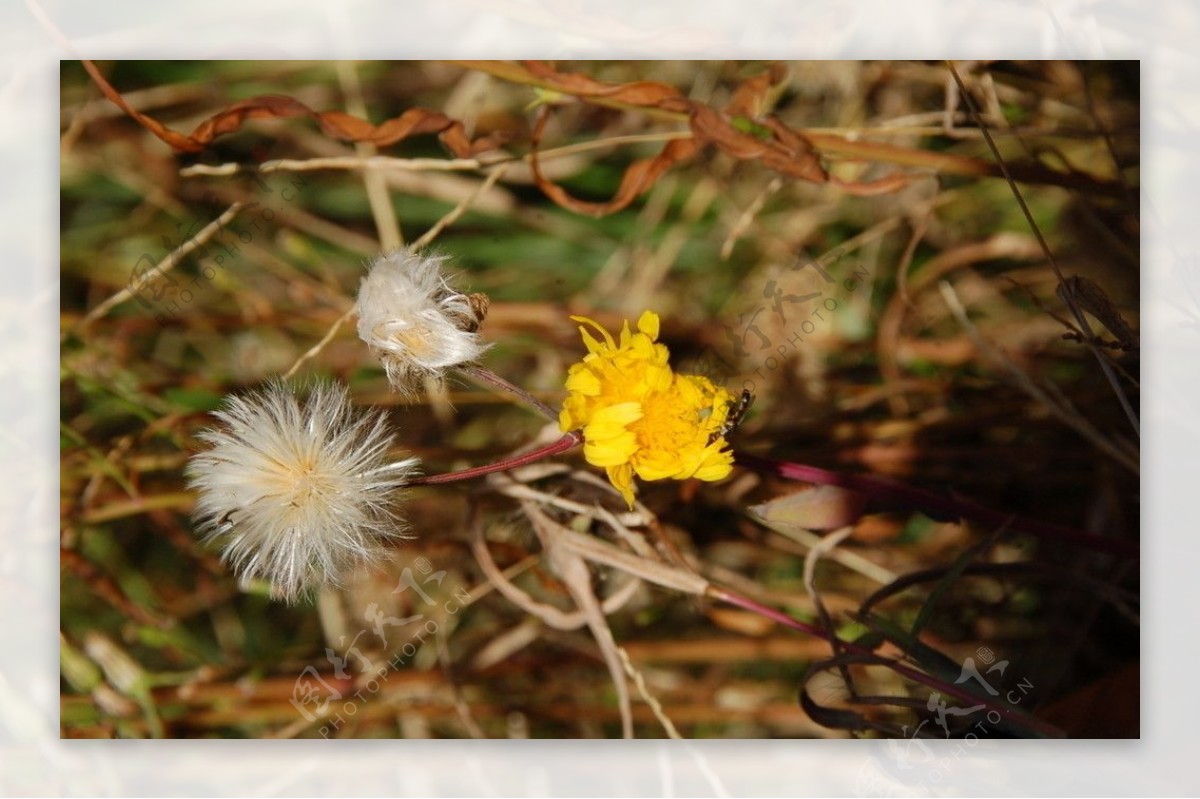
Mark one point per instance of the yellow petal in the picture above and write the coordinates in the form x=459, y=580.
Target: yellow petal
x=716, y=465
x=593, y=346
x=583, y=381
x=612, y=421
x=689, y=393
x=661, y=378
x=609, y=451
x=622, y=479
x=646, y=350
x=608, y=339
x=656, y=466
x=648, y=324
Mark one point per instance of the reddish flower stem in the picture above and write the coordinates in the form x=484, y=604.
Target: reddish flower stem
x=569, y=441
x=924, y=500
x=486, y=376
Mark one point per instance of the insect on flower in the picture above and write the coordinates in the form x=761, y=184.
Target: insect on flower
x=734, y=414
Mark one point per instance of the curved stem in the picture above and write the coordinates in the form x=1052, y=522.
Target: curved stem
x=569, y=441
x=929, y=501
x=929, y=681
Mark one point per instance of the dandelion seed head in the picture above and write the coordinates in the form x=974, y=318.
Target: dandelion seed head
x=414, y=321
x=298, y=492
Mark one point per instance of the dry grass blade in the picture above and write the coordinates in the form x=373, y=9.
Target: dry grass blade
x=1070, y=293
x=1067, y=416
x=667, y=103
x=342, y=162
x=637, y=180
x=827, y=545
x=740, y=130
x=639, y=682
x=659, y=574
x=315, y=349
x=547, y=614
x=202, y=237
x=428, y=236
x=376, y=189
x=573, y=571
x=849, y=559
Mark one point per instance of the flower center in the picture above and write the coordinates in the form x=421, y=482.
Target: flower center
x=664, y=424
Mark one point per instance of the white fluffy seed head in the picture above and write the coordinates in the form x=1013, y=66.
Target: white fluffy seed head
x=298, y=491
x=413, y=321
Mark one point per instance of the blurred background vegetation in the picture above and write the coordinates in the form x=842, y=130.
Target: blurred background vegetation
x=158, y=639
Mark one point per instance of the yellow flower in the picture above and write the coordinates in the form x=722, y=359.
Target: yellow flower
x=638, y=416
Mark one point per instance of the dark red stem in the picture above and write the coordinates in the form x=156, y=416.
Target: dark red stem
x=563, y=444
x=921, y=499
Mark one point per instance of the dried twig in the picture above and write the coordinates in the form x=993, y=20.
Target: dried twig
x=639, y=682
x=380, y=202
x=547, y=614
x=315, y=349
x=1073, y=420
x=573, y=571
x=449, y=219
x=1067, y=294
x=167, y=264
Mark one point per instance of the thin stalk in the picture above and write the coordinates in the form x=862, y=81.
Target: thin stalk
x=925, y=500
x=569, y=441
x=489, y=378
x=1067, y=293
x=766, y=611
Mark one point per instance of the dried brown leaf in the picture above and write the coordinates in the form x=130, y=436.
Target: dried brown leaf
x=740, y=130
x=640, y=93
x=335, y=124
x=638, y=178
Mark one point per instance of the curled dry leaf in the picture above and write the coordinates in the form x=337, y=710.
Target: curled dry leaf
x=638, y=178
x=335, y=124
x=740, y=130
